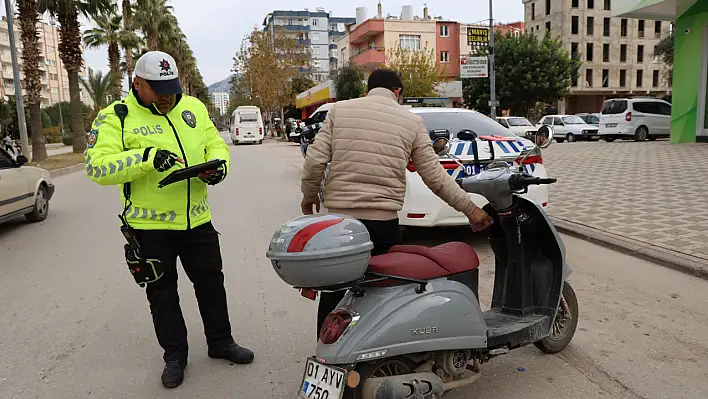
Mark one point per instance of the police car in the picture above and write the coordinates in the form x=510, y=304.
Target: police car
x=493, y=143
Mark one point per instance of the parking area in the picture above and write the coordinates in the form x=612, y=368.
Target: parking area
x=649, y=192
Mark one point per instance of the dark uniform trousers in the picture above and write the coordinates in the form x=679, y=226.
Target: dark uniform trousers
x=199, y=252
x=384, y=234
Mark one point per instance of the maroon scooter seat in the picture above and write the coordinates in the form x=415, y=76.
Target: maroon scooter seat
x=425, y=263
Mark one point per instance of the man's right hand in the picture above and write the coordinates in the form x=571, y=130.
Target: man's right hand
x=164, y=160
x=480, y=220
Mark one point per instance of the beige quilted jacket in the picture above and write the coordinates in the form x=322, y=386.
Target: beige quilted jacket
x=369, y=142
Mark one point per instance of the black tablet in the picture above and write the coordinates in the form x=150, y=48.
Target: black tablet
x=190, y=172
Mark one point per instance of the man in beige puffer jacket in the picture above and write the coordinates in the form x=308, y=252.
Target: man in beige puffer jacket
x=368, y=143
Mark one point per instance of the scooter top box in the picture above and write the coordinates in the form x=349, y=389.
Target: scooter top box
x=317, y=251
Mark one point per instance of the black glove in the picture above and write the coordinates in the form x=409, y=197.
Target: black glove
x=164, y=160
x=214, y=178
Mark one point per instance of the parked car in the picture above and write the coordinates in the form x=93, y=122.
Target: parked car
x=520, y=126
x=635, y=119
x=310, y=126
x=24, y=190
x=590, y=119
x=494, y=143
x=571, y=128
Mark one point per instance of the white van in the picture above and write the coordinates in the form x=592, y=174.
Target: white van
x=635, y=119
x=247, y=125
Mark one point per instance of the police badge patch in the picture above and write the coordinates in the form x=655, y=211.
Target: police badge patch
x=92, y=138
x=189, y=118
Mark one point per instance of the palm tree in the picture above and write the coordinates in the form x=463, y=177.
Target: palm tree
x=127, y=7
x=29, y=18
x=153, y=17
x=99, y=87
x=66, y=12
x=108, y=31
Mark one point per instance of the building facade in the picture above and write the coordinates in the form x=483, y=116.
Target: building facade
x=617, y=54
x=316, y=30
x=221, y=101
x=689, y=110
x=55, y=80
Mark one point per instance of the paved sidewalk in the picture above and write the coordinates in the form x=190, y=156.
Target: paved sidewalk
x=653, y=194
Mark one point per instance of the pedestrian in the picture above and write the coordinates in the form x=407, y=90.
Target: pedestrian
x=7, y=142
x=369, y=142
x=135, y=142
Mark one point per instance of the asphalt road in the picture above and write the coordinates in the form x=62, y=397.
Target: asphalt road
x=74, y=324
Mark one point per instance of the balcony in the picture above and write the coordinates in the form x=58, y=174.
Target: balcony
x=370, y=58
x=304, y=42
x=366, y=31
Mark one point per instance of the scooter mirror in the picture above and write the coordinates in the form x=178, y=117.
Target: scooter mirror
x=441, y=146
x=544, y=136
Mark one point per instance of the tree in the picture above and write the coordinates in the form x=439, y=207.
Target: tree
x=67, y=13
x=418, y=69
x=665, y=52
x=99, y=87
x=268, y=64
x=29, y=18
x=349, y=82
x=109, y=31
x=152, y=17
x=128, y=25
x=528, y=71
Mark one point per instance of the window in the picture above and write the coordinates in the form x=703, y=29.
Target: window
x=315, y=36
x=623, y=53
x=623, y=78
x=591, y=26
x=315, y=51
x=574, y=49
x=608, y=5
x=623, y=29
x=575, y=3
x=657, y=29
x=444, y=56
x=444, y=31
x=574, y=28
x=665, y=108
x=588, y=77
x=647, y=107
x=5, y=161
x=410, y=42
x=55, y=90
x=605, y=78
x=503, y=123
x=557, y=121
x=606, y=27
x=317, y=64
x=548, y=26
x=640, y=78
x=655, y=79
x=640, y=53
x=548, y=7
x=458, y=121
x=640, y=28
x=574, y=80
x=314, y=21
x=612, y=107
x=533, y=11
x=589, y=52
x=591, y=4
x=606, y=52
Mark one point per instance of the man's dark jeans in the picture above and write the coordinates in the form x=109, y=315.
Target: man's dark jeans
x=199, y=252
x=384, y=234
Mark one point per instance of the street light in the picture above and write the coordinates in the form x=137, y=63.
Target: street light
x=9, y=12
x=492, y=77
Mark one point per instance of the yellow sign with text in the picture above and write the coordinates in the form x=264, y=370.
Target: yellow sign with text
x=477, y=36
x=312, y=97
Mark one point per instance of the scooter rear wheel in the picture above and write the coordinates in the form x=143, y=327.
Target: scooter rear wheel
x=566, y=322
x=382, y=368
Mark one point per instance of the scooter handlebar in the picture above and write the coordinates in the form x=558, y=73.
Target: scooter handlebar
x=519, y=182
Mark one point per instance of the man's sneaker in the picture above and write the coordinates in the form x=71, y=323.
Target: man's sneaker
x=173, y=374
x=233, y=353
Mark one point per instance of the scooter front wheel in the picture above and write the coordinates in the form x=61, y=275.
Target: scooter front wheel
x=566, y=322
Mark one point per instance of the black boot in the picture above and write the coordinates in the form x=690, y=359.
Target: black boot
x=173, y=374
x=233, y=353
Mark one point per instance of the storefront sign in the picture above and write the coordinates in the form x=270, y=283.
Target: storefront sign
x=474, y=67
x=477, y=36
x=323, y=92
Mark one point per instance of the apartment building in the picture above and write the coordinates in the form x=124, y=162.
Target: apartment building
x=55, y=80
x=221, y=101
x=316, y=30
x=617, y=54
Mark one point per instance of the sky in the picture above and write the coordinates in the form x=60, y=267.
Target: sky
x=215, y=28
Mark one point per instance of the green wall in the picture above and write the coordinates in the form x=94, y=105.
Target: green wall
x=687, y=72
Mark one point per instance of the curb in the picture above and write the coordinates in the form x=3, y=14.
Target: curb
x=66, y=171
x=674, y=260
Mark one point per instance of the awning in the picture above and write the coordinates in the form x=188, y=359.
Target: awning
x=660, y=10
x=323, y=92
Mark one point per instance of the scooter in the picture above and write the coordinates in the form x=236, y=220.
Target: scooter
x=410, y=324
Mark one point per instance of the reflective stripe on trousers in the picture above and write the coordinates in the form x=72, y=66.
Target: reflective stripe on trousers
x=96, y=172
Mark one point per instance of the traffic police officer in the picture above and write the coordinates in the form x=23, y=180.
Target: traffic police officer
x=135, y=143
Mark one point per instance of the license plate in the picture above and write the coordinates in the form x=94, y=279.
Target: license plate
x=471, y=170
x=611, y=125
x=322, y=382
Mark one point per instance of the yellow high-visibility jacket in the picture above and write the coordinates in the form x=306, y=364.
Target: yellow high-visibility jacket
x=115, y=157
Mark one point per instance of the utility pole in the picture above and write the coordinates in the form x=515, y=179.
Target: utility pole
x=492, y=81
x=9, y=12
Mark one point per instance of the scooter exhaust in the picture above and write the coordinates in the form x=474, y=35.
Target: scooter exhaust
x=408, y=386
